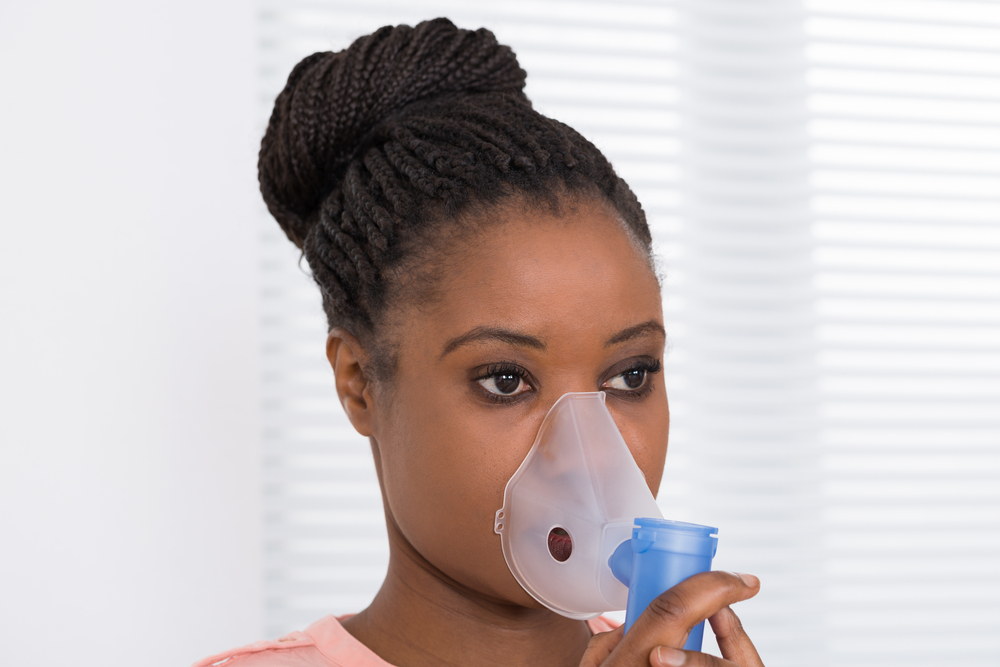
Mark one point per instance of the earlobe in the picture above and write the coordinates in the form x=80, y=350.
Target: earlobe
x=347, y=359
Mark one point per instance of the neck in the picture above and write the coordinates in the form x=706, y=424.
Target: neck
x=421, y=617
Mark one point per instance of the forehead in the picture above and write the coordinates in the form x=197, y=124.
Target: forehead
x=571, y=274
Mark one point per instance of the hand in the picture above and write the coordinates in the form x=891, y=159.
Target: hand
x=657, y=636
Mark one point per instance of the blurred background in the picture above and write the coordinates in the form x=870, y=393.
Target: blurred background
x=823, y=183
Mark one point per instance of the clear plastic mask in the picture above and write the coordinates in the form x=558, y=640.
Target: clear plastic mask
x=569, y=505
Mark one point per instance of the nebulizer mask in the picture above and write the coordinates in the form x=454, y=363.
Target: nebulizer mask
x=580, y=529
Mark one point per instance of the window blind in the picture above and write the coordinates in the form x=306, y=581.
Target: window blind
x=744, y=435
x=904, y=130
x=823, y=184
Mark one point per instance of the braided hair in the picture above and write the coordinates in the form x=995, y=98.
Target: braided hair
x=369, y=150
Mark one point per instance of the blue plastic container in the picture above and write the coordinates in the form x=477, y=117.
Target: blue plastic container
x=660, y=555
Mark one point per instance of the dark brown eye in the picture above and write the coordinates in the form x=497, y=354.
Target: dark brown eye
x=629, y=380
x=634, y=379
x=504, y=384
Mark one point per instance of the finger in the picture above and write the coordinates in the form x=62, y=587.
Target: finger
x=600, y=647
x=665, y=656
x=733, y=640
x=670, y=617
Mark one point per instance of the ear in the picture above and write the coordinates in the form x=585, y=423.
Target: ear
x=348, y=360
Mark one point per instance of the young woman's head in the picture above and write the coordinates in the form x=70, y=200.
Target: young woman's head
x=477, y=261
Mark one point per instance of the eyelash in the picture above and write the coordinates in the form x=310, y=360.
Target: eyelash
x=651, y=367
x=502, y=369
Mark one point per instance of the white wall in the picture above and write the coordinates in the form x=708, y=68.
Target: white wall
x=129, y=444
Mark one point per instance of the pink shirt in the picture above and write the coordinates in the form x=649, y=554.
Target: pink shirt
x=325, y=643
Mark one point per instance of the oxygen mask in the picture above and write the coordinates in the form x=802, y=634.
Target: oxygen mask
x=571, y=503
x=579, y=528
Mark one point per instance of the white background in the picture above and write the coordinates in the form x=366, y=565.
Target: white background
x=129, y=444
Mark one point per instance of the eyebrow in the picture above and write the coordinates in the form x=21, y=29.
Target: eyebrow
x=524, y=340
x=493, y=333
x=639, y=330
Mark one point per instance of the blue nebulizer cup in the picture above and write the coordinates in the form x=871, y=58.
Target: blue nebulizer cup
x=660, y=555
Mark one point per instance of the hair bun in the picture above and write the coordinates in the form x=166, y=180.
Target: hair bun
x=332, y=100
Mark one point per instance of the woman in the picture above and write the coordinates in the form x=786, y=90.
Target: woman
x=477, y=261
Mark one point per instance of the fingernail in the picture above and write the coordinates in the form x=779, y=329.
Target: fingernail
x=670, y=657
x=748, y=579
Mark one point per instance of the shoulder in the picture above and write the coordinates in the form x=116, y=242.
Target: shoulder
x=293, y=650
x=325, y=643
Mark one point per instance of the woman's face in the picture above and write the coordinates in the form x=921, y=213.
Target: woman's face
x=538, y=306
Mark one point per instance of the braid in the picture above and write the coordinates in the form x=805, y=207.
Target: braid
x=367, y=147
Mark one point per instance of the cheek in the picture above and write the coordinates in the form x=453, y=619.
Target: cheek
x=645, y=428
x=445, y=470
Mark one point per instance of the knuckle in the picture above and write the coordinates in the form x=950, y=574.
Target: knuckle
x=728, y=625
x=668, y=607
x=735, y=624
